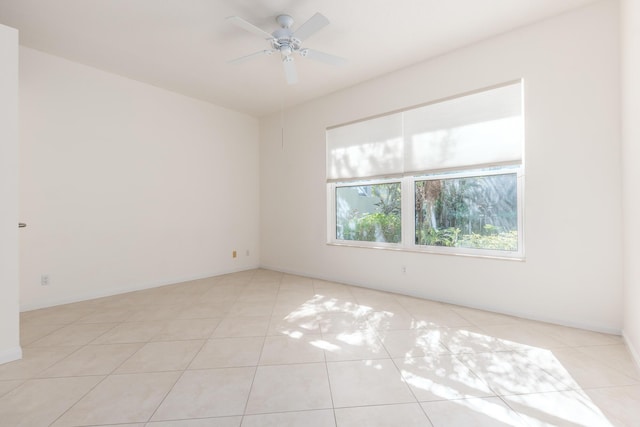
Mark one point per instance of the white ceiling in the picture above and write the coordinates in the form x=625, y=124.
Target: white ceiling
x=184, y=45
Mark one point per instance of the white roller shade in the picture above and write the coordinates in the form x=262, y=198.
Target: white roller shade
x=474, y=130
x=371, y=148
x=482, y=129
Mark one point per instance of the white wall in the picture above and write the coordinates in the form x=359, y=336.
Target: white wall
x=9, y=285
x=126, y=186
x=630, y=15
x=573, y=270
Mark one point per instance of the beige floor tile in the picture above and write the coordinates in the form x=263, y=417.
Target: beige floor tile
x=368, y=382
x=176, y=299
x=295, y=291
x=558, y=409
x=413, y=343
x=161, y=356
x=615, y=356
x=319, y=418
x=31, y=332
x=129, y=398
x=405, y=415
x=344, y=306
x=295, y=323
x=469, y=339
x=355, y=345
x=621, y=405
x=440, y=377
x=204, y=311
x=577, y=337
x=299, y=387
x=522, y=336
x=577, y=371
x=477, y=412
x=485, y=318
x=156, y=312
x=75, y=334
x=295, y=281
x=7, y=386
x=298, y=310
x=255, y=326
x=123, y=425
x=219, y=297
x=418, y=305
x=378, y=300
x=207, y=393
x=111, y=315
x=228, y=353
x=258, y=294
x=62, y=314
x=131, y=332
x=512, y=373
x=187, y=329
x=443, y=317
x=338, y=322
x=280, y=350
x=34, y=361
x=40, y=402
x=333, y=297
x=394, y=321
x=203, y=422
x=92, y=360
x=259, y=307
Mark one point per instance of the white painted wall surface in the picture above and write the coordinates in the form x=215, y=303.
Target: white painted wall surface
x=630, y=25
x=573, y=269
x=9, y=284
x=125, y=185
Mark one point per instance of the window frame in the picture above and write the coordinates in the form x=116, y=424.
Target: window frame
x=332, y=230
x=408, y=224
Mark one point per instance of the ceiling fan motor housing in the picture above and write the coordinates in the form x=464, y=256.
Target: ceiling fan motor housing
x=283, y=39
x=285, y=21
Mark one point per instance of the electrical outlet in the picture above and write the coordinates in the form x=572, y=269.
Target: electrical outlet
x=234, y=254
x=44, y=280
x=248, y=253
x=403, y=269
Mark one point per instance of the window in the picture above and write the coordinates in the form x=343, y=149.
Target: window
x=445, y=177
x=369, y=213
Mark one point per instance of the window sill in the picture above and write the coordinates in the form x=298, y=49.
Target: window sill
x=492, y=256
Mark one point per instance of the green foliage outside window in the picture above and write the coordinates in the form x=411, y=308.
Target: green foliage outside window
x=472, y=212
x=475, y=212
x=370, y=213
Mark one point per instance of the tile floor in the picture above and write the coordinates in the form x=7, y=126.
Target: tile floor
x=261, y=348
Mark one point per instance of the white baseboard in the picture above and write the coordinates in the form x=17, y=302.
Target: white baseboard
x=35, y=305
x=10, y=355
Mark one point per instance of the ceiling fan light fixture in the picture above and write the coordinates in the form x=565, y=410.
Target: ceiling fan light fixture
x=286, y=50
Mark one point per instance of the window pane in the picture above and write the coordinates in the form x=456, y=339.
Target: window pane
x=369, y=213
x=474, y=212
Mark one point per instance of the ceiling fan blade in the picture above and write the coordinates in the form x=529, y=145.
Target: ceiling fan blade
x=250, y=56
x=290, y=72
x=323, y=57
x=312, y=26
x=247, y=26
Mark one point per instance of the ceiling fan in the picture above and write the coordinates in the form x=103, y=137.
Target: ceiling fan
x=288, y=42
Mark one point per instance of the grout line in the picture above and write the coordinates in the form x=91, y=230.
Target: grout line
x=176, y=381
x=264, y=340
